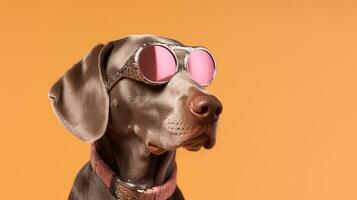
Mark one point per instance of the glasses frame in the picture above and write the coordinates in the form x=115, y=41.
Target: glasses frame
x=131, y=68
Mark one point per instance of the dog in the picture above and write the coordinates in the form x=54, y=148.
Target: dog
x=134, y=127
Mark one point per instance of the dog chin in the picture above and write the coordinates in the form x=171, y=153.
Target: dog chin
x=190, y=147
x=155, y=149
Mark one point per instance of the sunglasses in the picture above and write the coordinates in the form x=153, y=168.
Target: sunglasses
x=156, y=63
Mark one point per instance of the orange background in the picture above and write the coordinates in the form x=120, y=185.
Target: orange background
x=286, y=76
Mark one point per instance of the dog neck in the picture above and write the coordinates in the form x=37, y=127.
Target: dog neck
x=128, y=156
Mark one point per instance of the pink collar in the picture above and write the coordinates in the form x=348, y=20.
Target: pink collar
x=124, y=190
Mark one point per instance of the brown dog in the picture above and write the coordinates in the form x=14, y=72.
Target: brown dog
x=135, y=127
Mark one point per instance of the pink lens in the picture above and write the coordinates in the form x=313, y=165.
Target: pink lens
x=201, y=66
x=157, y=63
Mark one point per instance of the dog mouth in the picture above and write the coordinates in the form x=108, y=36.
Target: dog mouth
x=197, y=142
x=198, y=137
x=203, y=136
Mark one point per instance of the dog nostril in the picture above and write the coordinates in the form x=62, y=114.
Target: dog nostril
x=203, y=110
x=219, y=110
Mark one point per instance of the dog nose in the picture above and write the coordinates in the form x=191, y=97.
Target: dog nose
x=206, y=108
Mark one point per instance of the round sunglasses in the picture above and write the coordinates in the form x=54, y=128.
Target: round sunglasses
x=156, y=63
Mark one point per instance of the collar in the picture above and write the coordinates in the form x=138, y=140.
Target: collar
x=124, y=190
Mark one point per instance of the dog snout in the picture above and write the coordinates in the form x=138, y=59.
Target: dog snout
x=206, y=108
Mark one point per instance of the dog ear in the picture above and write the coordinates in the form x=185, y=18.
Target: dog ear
x=80, y=99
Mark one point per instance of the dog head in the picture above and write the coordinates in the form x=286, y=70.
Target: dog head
x=165, y=117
